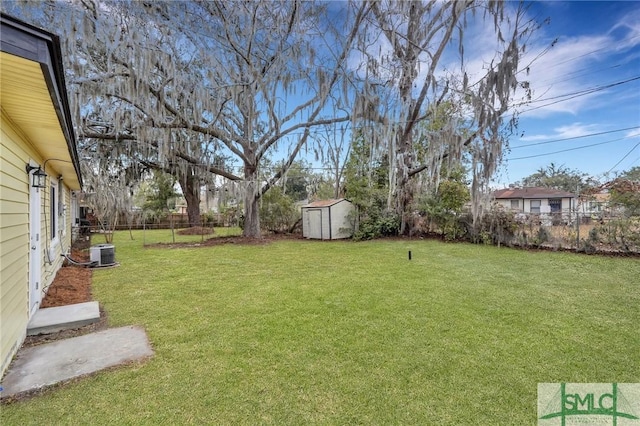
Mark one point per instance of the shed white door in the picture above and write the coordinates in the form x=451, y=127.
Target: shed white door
x=314, y=223
x=35, y=250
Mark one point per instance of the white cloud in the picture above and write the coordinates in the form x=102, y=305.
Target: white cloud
x=558, y=75
x=632, y=133
x=629, y=26
x=562, y=132
x=563, y=72
x=553, y=72
x=575, y=64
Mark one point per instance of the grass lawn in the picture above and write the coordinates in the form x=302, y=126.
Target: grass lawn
x=304, y=332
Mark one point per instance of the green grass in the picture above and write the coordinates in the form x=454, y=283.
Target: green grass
x=303, y=332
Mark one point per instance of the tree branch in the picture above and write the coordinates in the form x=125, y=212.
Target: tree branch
x=188, y=158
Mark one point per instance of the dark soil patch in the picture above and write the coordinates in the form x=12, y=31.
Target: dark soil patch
x=216, y=241
x=196, y=230
x=72, y=283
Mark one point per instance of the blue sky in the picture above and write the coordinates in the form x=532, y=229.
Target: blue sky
x=585, y=111
x=585, y=114
x=586, y=92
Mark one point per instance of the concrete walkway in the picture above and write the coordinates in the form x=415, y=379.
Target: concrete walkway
x=39, y=367
x=52, y=320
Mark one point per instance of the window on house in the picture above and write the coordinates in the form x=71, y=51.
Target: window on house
x=53, y=205
x=515, y=204
x=535, y=206
x=62, y=218
x=555, y=204
x=54, y=210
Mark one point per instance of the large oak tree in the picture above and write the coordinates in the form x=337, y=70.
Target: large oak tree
x=404, y=46
x=245, y=79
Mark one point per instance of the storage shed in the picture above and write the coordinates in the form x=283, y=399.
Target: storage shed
x=327, y=219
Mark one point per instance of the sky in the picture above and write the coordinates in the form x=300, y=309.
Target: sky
x=584, y=70
x=585, y=113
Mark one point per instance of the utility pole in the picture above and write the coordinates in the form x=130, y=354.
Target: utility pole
x=577, y=218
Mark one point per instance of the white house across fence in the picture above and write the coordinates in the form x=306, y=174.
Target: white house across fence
x=546, y=203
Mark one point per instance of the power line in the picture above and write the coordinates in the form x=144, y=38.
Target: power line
x=576, y=94
x=570, y=149
x=592, y=52
x=587, y=91
x=576, y=137
x=625, y=156
x=576, y=74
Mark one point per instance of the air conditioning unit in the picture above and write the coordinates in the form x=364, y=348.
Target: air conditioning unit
x=103, y=254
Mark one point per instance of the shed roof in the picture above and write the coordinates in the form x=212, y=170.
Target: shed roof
x=324, y=203
x=531, y=192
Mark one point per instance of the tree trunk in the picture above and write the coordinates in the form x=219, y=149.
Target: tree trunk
x=190, y=185
x=251, y=216
x=251, y=227
x=404, y=196
x=404, y=186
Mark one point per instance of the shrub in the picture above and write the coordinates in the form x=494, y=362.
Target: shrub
x=497, y=226
x=589, y=245
x=376, y=226
x=278, y=212
x=542, y=236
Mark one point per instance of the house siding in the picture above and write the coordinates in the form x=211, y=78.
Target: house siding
x=35, y=128
x=14, y=236
x=15, y=153
x=525, y=204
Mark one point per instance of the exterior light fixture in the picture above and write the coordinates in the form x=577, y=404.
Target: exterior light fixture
x=39, y=177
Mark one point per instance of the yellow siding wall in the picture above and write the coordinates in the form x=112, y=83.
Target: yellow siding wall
x=14, y=241
x=15, y=153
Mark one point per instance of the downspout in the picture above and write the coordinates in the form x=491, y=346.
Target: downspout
x=330, y=223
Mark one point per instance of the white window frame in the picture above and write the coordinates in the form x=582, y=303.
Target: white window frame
x=62, y=211
x=54, y=212
x=538, y=207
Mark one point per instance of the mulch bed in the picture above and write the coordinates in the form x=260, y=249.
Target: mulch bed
x=216, y=241
x=72, y=284
x=196, y=230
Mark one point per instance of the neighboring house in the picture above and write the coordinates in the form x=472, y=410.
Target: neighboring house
x=36, y=138
x=181, y=206
x=327, y=219
x=537, y=201
x=596, y=205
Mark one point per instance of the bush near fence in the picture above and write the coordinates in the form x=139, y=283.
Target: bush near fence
x=610, y=235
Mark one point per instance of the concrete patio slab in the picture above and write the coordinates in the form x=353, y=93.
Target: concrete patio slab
x=53, y=320
x=38, y=367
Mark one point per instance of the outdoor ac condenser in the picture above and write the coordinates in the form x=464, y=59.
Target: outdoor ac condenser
x=103, y=254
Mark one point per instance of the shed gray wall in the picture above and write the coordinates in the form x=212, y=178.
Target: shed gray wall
x=340, y=224
x=313, y=222
x=327, y=222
